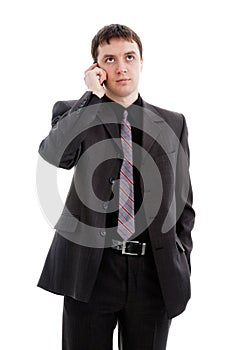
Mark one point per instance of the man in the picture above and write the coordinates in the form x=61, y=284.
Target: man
x=121, y=250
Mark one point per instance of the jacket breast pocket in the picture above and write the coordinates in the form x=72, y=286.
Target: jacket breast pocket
x=165, y=157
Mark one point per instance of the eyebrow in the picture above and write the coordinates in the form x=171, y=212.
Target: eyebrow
x=126, y=54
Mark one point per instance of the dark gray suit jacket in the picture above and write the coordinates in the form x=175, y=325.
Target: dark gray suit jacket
x=84, y=136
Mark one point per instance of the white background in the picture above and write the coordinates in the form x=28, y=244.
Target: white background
x=45, y=47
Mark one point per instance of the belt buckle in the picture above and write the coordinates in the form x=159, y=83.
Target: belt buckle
x=124, y=248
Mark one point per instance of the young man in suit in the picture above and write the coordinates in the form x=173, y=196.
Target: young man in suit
x=121, y=250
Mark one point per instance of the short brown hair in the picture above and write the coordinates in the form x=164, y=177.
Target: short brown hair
x=113, y=31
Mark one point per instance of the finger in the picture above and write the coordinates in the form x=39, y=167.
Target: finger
x=98, y=72
x=102, y=76
x=94, y=65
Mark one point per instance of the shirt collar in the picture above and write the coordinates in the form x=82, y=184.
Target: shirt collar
x=119, y=109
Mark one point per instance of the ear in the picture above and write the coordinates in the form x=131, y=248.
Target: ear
x=141, y=64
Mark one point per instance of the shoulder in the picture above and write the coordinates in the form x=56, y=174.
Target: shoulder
x=166, y=114
x=88, y=98
x=62, y=108
x=174, y=119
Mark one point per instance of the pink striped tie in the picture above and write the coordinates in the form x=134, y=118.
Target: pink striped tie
x=126, y=222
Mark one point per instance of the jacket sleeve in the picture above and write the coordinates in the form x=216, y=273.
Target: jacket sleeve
x=62, y=146
x=184, y=195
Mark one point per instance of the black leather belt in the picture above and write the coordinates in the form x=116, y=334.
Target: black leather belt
x=129, y=247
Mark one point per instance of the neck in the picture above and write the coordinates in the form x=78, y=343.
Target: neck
x=125, y=101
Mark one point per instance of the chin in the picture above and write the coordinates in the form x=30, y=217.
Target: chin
x=123, y=92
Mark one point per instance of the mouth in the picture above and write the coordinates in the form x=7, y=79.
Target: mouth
x=123, y=80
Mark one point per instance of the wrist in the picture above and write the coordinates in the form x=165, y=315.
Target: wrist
x=100, y=92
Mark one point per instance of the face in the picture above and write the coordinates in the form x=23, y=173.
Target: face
x=122, y=62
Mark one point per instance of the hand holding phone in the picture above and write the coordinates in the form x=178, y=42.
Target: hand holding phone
x=95, y=78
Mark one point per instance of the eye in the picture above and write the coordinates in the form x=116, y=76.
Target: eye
x=130, y=58
x=109, y=60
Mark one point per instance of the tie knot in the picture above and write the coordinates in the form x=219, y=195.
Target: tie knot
x=125, y=114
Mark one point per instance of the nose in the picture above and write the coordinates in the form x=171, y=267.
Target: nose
x=121, y=67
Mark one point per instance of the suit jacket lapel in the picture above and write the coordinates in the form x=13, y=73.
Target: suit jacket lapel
x=109, y=121
x=152, y=123
x=151, y=126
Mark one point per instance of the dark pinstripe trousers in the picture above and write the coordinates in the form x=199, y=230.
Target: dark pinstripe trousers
x=126, y=292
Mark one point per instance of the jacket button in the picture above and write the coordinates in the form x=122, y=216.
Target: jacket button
x=103, y=233
x=111, y=180
x=120, y=155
